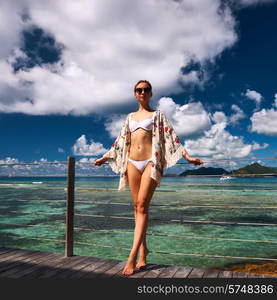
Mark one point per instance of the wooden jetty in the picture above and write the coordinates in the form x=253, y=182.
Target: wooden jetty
x=19, y=264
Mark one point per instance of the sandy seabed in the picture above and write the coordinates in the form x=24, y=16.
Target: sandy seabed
x=261, y=269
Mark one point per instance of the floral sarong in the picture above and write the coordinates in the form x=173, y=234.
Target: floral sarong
x=166, y=149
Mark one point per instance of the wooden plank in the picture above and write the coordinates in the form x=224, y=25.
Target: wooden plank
x=15, y=260
x=30, y=265
x=43, y=269
x=19, y=264
x=143, y=271
x=10, y=254
x=138, y=273
x=252, y=275
x=225, y=274
x=196, y=273
x=211, y=273
x=153, y=271
x=239, y=275
x=115, y=269
x=34, y=264
x=168, y=272
x=69, y=273
x=183, y=272
x=101, y=269
x=74, y=269
x=90, y=268
x=66, y=267
x=66, y=264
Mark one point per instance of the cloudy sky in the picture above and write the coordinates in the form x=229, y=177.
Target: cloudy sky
x=68, y=69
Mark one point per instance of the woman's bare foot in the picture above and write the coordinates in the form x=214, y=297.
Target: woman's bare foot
x=142, y=260
x=129, y=267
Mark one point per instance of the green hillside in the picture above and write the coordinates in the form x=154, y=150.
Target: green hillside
x=205, y=171
x=255, y=168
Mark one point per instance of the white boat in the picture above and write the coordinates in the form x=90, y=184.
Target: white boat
x=225, y=177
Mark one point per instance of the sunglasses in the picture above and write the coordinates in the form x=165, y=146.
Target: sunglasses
x=146, y=90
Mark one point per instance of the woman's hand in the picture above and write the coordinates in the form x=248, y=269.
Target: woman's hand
x=192, y=160
x=99, y=161
x=195, y=161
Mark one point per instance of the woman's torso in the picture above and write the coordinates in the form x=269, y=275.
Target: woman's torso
x=141, y=139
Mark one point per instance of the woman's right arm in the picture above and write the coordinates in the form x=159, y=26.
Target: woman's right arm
x=192, y=160
x=113, y=152
x=106, y=156
x=100, y=161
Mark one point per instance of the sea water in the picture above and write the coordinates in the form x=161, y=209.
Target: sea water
x=201, y=222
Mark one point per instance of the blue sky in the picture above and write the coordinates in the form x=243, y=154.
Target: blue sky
x=68, y=72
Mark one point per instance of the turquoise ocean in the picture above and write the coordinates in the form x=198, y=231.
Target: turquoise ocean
x=201, y=222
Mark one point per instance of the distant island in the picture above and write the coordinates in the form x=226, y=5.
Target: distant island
x=254, y=169
x=204, y=171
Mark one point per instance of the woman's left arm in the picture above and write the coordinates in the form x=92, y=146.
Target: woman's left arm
x=192, y=160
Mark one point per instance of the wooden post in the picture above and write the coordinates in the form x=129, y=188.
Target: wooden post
x=70, y=207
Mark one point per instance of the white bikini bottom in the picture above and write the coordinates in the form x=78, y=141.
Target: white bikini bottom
x=140, y=164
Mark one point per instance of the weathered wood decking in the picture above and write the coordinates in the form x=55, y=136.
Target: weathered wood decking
x=18, y=263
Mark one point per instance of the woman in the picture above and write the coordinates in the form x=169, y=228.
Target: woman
x=146, y=145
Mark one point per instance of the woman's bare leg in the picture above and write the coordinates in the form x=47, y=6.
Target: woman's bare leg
x=143, y=252
x=134, y=179
x=146, y=190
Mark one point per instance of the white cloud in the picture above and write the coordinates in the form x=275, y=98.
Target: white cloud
x=9, y=160
x=41, y=167
x=43, y=159
x=237, y=115
x=253, y=95
x=265, y=120
x=10, y=26
x=60, y=150
x=219, y=117
x=81, y=147
x=85, y=160
x=114, y=124
x=106, y=50
x=257, y=146
x=218, y=143
x=188, y=120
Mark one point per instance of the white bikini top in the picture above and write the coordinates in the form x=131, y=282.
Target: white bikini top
x=146, y=124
